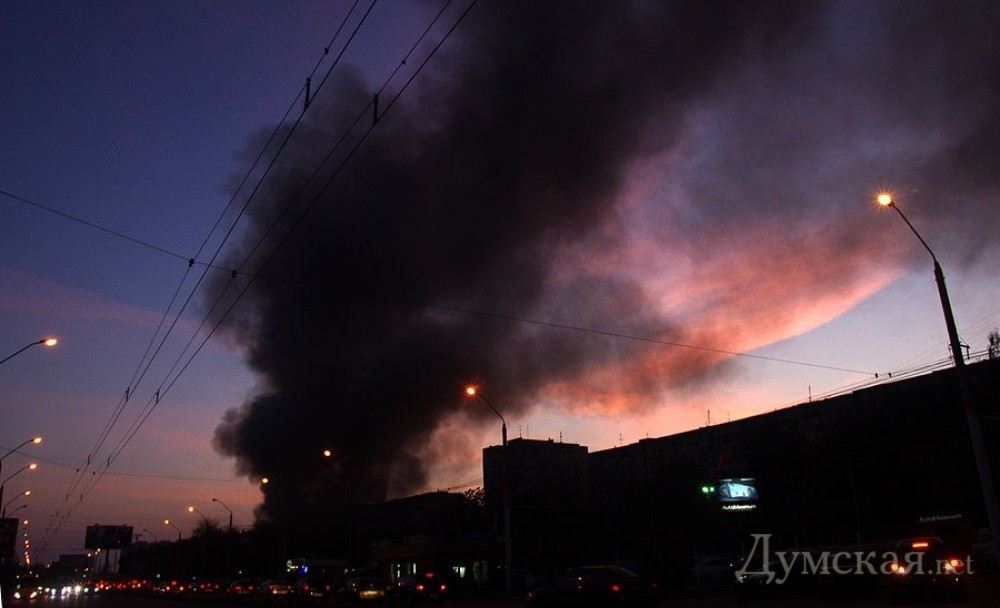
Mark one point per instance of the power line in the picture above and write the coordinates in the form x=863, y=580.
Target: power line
x=168, y=382
x=63, y=465
x=165, y=386
x=105, y=229
x=137, y=422
x=131, y=388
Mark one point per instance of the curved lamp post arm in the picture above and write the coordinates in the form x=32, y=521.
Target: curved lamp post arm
x=46, y=341
x=914, y=230
x=226, y=507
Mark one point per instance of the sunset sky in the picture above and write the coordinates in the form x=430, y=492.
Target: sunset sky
x=744, y=220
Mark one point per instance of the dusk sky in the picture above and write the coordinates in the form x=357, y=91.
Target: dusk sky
x=715, y=190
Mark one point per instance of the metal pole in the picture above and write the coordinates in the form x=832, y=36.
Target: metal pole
x=507, y=541
x=965, y=398
x=19, y=351
x=507, y=549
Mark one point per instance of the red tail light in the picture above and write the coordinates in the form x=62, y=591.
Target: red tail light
x=616, y=588
x=420, y=587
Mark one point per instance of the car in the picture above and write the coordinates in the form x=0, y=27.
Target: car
x=413, y=589
x=928, y=568
x=594, y=586
x=277, y=587
x=243, y=586
x=361, y=589
x=316, y=587
x=207, y=586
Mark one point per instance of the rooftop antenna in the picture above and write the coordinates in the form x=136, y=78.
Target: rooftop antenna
x=560, y=436
x=619, y=439
x=520, y=434
x=709, y=417
x=810, y=393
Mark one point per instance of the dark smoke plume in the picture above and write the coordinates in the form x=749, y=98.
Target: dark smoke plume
x=515, y=145
x=514, y=154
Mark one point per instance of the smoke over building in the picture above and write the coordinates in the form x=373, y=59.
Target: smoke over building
x=564, y=162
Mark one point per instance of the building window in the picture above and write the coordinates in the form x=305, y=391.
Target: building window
x=399, y=569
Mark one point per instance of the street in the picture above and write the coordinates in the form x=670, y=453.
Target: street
x=984, y=594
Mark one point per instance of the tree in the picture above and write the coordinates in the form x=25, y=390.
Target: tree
x=994, y=348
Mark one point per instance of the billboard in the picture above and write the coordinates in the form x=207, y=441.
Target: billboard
x=737, y=494
x=108, y=537
x=8, y=537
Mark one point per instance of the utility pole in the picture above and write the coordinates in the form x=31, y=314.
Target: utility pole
x=965, y=395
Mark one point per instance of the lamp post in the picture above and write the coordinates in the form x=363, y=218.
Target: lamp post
x=349, y=481
x=229, y=537
x=16, y=509
x=27, y=467
x=472, y=392
x=965, y=394
x=226, y=507
x=147, y=531
x=50, y=342
x=167, y=522
x=34, y=440
x=3, y=512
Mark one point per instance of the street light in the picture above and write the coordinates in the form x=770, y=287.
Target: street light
x=18, y=509
x=472, y=392
x=155, y=539
x=226, y=507
x=192, y=509
x=49, y=342
x=265, y=481
x=3, y=512
x=27, y=467
x=167, y=522
x=886, y=199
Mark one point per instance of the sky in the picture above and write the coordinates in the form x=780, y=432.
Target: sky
x=715, y=189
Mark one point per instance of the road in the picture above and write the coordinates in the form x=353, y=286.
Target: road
x=984, y=597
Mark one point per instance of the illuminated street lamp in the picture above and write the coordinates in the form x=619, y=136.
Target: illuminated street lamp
x=3, y=512
x=264, y=481
x=167, y=522
x=472, y=392
x=34, y=440
x=886, y=199
x=49, y=342
x=27, y=467
x=192, y=509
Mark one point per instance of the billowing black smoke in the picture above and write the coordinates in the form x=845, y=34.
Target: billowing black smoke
x=514, y=145
x=515, y=148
